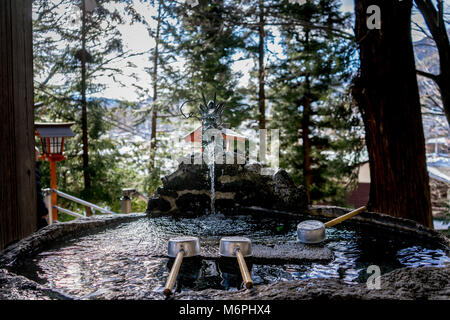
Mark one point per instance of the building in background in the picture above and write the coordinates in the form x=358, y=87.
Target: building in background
x=360, y=195
x=439, y=173
x=438, y=146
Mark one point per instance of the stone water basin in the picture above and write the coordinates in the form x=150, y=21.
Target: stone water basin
x=127, y=260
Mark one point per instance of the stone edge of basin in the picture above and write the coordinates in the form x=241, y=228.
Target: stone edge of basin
x=58, y=231
x=17, y=287
x=424, y=283
x=376, y=219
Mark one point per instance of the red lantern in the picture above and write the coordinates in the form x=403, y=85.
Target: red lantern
x=52, y=137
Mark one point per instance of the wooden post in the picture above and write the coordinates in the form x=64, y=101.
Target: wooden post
x=126, y=200
x=18, y=216
x=53, y=186
x=48, y=203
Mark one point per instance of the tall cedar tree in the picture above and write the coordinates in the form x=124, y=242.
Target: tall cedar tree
x=387, y=95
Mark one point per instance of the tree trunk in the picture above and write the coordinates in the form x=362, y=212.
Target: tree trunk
x=387, y=95
x=18, y=215
x=435, y=22
x=84, y=127
x=306, y=119
x=155, y=92
x=261, y=78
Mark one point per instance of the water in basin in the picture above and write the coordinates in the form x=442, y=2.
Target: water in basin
x=128, y=261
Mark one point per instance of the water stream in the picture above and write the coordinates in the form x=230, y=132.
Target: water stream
x=210, y=149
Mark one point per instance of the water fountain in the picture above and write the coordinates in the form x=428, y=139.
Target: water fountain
x=211, y=118
x=125, y=256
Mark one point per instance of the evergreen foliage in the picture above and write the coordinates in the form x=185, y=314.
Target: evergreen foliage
x=196, y=49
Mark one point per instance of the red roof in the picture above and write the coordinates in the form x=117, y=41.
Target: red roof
x=196, y=135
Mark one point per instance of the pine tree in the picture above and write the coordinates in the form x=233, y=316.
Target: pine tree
x=76, y=43
x=157, y=104
x=207, y=41
x=255, y=18
x=316, y=118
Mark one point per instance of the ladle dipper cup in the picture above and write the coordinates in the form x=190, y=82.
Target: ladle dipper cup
x=179, y=248
x=313, y=231
x=238, y=247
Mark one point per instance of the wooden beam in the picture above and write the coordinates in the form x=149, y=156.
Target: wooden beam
x=18, y=216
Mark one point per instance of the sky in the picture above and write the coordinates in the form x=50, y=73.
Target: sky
x=347, y=5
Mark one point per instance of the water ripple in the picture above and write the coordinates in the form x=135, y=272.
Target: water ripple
x=128, y=261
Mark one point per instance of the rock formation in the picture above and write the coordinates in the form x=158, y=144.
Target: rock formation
x=187, y=191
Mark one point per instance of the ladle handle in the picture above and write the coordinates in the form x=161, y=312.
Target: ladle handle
x=173, y=273
x=244, y=270
x=345, y=217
